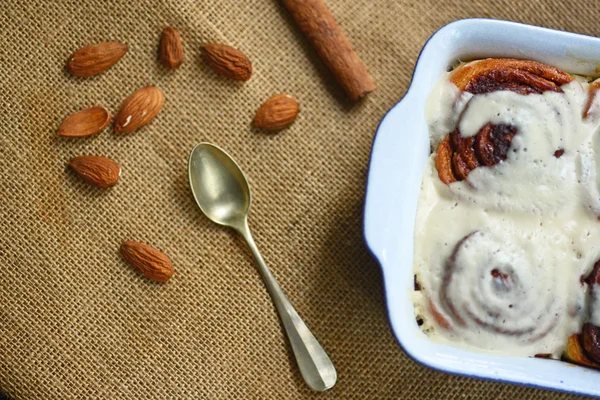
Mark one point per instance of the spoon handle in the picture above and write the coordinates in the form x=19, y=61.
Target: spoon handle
x=314, y=363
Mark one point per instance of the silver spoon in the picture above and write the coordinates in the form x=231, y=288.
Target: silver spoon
x=223, y=194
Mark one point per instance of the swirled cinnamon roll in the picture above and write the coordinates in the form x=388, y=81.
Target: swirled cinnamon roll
x=592, y=105
x=503, y=285
x=588, y=161
x=458, y=155
x=493, y=289
x=506, y=133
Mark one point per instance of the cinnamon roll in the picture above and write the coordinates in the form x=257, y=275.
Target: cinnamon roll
x=592, y=105
x=584, y=348
x=508, y=133
x=458, y=155
x=494, y=289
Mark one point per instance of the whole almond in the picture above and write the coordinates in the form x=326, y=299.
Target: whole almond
x=227, y=61
x=85, y=122
x=276, y=113
x=138, y=109
x=171, y=48
x=99, y=171
x=95, y=59
x=148, y=261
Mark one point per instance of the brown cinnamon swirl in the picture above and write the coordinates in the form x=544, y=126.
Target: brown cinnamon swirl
x=492, y=286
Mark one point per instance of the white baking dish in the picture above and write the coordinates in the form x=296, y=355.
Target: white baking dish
x=400, y=149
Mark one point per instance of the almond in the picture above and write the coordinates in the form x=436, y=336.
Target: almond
x=171, y=48
x=85, y=122
x=99, y=171
x=227, y=61
x=276, y=113
x=95, y=59
x=148, y=261
x=138, y=109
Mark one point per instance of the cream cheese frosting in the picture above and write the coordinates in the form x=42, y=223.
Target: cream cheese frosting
x=500, y=255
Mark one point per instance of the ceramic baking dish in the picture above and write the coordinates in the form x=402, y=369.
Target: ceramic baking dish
x=400, y=149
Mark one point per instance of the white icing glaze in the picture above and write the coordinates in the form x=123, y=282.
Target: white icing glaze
x=512, y=286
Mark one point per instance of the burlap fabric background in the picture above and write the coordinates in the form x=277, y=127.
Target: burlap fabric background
x=76, y=322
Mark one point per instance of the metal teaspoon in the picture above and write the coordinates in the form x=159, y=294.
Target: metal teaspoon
x=223, y=194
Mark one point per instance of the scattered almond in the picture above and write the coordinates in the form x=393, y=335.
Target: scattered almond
x=85, y=122
x=227, y=61
x=171, y=48
x=277, y=112
x=95, y=59
x=138, y=109
x=99, y=171
x=148, y=261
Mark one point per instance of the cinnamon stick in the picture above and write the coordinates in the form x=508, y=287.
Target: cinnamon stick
x=319, y=26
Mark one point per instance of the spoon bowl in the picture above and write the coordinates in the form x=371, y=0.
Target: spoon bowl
x=219, y=186
x=223, y=194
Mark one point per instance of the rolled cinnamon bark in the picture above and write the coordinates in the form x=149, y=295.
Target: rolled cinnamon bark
x=319, y=26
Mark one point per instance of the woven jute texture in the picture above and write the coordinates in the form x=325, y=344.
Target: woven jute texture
x=77, y=323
